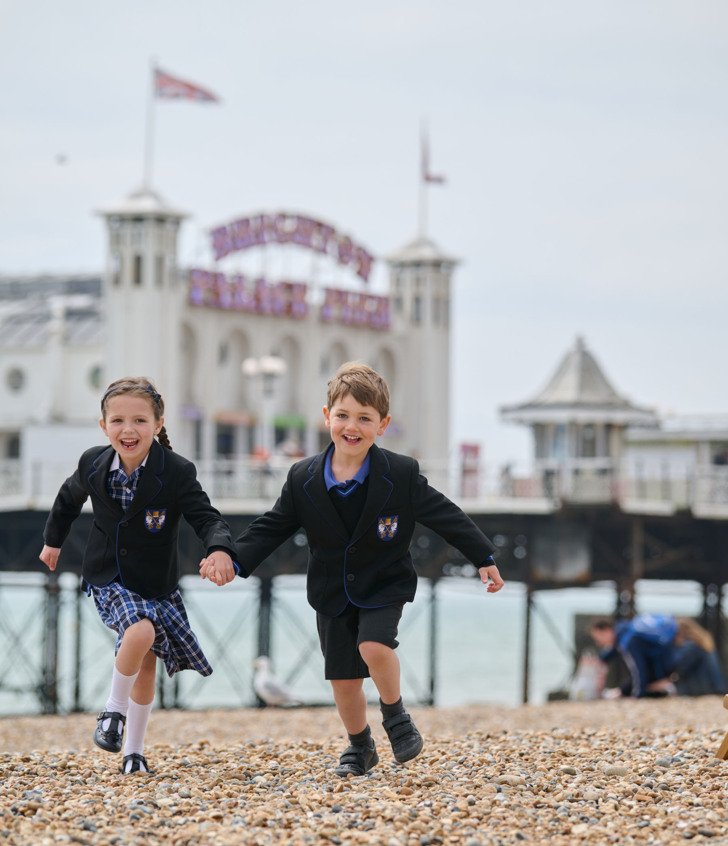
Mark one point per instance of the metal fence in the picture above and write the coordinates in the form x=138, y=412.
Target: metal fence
x=57, y=656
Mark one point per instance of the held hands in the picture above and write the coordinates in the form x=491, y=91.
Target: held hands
x=49, y=556
x=218, y=568
x=491, y=578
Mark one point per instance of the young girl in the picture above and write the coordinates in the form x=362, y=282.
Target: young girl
x=139, y=489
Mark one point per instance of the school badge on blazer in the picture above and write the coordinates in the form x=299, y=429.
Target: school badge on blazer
x=154, y=518
x=387, y=527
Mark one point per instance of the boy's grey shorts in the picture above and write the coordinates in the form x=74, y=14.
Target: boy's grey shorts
x=340, y=637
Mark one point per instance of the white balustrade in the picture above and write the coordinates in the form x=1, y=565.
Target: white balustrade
x=248, y=478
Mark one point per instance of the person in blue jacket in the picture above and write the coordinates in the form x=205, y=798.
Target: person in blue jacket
x=663, y=655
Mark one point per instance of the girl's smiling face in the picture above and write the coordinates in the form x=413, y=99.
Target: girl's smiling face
x=354, y=427
x=130, y=426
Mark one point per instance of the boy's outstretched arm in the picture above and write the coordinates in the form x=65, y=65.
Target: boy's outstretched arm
x=49, y=556
x=491, y=577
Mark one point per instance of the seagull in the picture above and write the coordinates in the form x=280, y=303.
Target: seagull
x=267, y=687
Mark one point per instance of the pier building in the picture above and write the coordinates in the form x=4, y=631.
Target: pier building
x=241, y=346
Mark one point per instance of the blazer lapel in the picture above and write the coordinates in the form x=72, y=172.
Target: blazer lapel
x=315, y=489
x=96, y=480
x=150, y=482
x=380, y=489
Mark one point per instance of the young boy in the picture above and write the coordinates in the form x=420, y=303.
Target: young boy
x=358, y=505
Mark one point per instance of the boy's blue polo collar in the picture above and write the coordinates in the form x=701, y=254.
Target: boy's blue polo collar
x=344, y=488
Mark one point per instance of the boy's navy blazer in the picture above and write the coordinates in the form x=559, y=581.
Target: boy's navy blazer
x=138, y=547
x=372, y=567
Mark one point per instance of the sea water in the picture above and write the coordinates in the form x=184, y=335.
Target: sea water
x=478, y=648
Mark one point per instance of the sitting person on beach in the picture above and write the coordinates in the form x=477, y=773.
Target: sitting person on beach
x=663, y=655
x=139, y=490
x=358, y=505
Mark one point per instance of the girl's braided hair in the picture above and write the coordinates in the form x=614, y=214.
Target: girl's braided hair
x=139, y=386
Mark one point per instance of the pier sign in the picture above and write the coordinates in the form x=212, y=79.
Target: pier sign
x=290, y=228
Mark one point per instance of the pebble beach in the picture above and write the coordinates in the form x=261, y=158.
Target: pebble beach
x=622, y=772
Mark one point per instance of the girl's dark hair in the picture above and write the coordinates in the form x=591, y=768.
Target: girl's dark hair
x=139, y=386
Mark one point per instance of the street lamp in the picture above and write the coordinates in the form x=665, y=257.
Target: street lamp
x=265, y=370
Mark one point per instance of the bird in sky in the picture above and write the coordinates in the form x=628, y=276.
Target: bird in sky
x=267, y=687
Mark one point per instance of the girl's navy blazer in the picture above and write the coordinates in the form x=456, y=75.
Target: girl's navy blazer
x=138, y=546
x=372, y=567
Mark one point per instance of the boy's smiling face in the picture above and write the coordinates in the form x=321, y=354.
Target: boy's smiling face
x=354, y=427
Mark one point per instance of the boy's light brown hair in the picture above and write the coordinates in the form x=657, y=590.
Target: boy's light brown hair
x=361, y=382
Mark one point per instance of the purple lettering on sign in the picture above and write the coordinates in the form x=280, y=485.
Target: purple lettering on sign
x=285, y=299
x=287, y=228
x=254, y=296
x=354, y=309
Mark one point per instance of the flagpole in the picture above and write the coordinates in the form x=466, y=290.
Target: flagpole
x=422, y=200
x=422, y=211
x=149, y=130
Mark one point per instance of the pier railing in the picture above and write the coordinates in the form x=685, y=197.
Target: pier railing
x=56, y=655
x=35, y=484
x=704, y=490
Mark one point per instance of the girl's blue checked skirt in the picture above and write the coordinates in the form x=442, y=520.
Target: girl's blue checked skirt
x=175, y=643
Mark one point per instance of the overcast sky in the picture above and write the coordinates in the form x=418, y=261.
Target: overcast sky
x=584, y=145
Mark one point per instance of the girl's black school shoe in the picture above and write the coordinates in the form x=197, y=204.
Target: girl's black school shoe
x=406, y=741
x=109, y=738
x=357, y=759
x=135, y=763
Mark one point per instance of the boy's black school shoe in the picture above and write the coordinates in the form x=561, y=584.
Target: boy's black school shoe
x=357, y=759
x=406, y=741
x=135, y=763
x=109, y=739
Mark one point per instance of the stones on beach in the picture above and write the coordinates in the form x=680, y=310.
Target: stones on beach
x=268, y=780
x=615, y=770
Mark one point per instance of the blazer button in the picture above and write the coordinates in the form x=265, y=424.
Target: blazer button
x=352, y=550
x=122, y=552
x=350, y=577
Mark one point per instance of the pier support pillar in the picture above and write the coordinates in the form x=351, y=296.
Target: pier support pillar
x=265, y=608
x=265, y=613
x=432, y=687
x=49, y=682
x=625, y=606
x=527, y=645
x=711, y=616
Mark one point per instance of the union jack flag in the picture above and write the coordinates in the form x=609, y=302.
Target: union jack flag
x=170, y=87
x=427, y=175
